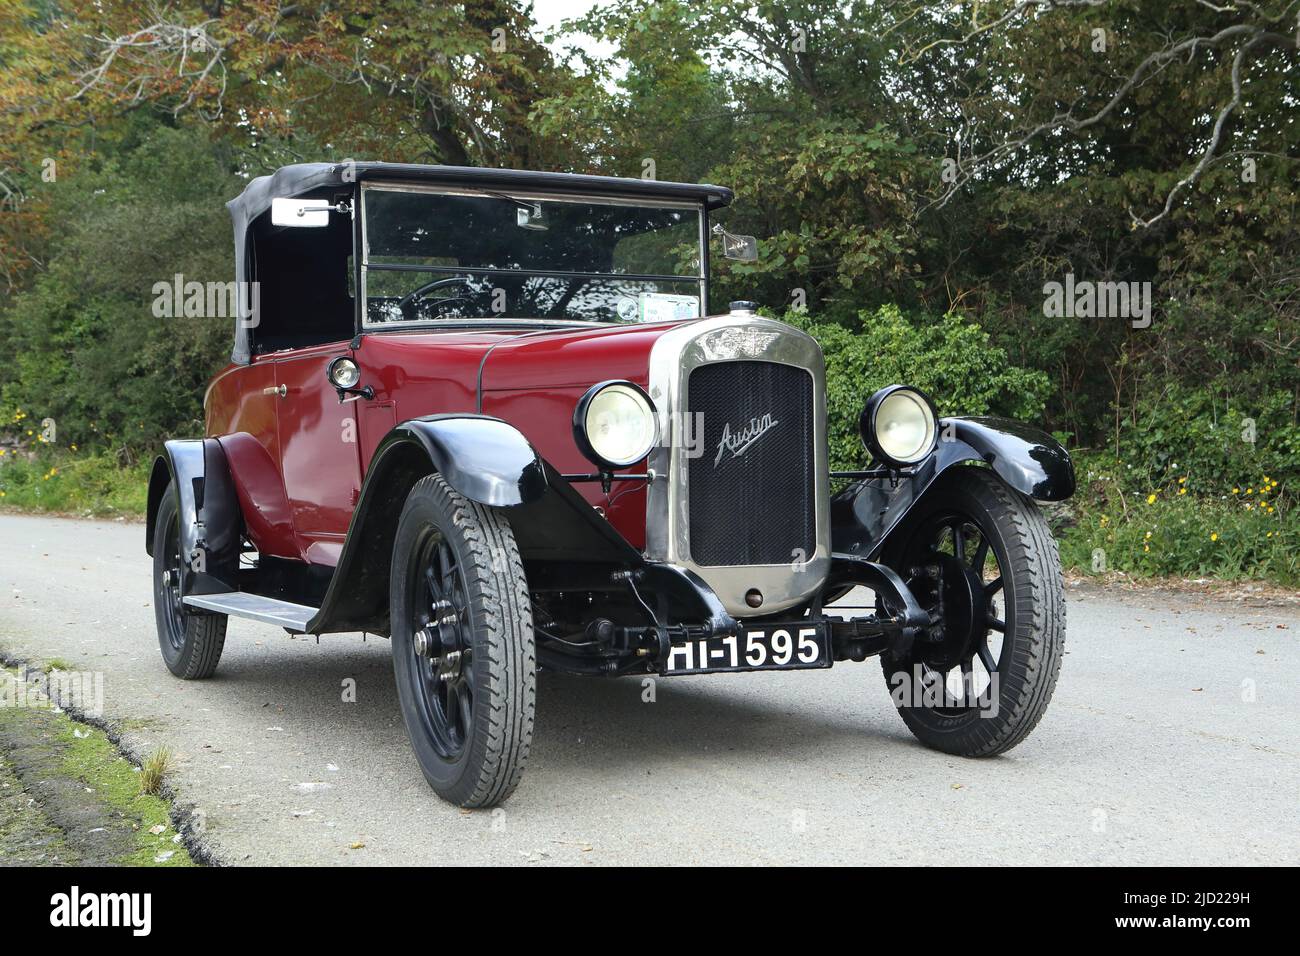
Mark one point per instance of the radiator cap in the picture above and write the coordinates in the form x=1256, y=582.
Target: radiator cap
x=743, y=306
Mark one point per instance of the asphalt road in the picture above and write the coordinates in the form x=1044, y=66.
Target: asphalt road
x=1172, y=739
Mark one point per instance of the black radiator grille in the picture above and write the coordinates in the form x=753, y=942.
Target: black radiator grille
x=751, y=490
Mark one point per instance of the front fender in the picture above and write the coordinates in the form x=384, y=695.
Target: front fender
x=1026, y=458
x=483, y=458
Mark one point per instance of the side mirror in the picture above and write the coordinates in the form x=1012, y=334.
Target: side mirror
x=301, y=212
x=741, y=248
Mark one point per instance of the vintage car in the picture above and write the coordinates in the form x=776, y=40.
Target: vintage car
x=488, y=414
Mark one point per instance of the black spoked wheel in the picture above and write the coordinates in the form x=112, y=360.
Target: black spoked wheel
x=191, y=642
x=463, y=646
x=980, y=557
x=442, y=649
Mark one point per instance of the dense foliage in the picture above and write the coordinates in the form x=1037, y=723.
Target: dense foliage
x=917, y=175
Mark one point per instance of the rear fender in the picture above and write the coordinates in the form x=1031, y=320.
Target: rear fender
x=211, y=524
x=1025, y=458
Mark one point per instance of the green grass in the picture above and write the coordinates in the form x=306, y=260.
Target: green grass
x=75, y=482
x=85, y=754
x=28, y=836
x=95, y=761
x=1190, y=526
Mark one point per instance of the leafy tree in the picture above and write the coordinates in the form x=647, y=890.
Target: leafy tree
x=87, y=349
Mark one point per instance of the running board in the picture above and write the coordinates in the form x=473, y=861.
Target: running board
x=255, y=607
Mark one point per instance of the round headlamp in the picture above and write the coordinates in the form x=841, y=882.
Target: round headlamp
x=899, y=425
x=615, y=424
x=343, y=372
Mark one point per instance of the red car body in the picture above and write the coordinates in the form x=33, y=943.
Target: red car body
x=298, y=480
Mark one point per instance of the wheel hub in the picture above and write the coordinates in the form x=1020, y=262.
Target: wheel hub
x=449, y=665
x=956, y=596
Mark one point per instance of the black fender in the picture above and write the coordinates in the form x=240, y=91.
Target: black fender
x=483, y=458
x=1025, y=458
x=561, y=537
x=211, y=524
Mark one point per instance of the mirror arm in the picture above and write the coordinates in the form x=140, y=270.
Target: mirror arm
x=364, y=391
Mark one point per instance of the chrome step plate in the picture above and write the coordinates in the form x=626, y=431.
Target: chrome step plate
x=255, y=608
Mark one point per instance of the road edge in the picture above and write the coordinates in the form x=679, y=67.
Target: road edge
x=181, y=814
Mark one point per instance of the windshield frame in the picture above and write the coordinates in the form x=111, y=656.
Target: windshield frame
x=363, y=264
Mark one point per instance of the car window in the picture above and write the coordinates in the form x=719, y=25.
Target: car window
x=433, y=255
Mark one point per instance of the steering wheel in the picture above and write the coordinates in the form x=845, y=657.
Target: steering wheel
x=407, y=302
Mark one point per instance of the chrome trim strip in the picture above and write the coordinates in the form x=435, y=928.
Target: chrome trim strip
x=729, y=338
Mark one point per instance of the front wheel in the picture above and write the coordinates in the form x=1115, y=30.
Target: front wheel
x=980, y=557
x=463, y=645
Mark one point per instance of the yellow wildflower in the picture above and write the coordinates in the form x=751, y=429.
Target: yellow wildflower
x=1151, y=499
x=1214, y=536
x=1236, y=490
x=1182, y=491
x=1182, y=481
x=1250, y=491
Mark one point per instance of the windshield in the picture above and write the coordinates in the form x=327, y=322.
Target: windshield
x=466, y=255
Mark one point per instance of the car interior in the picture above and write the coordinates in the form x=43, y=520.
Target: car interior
x=304, y=281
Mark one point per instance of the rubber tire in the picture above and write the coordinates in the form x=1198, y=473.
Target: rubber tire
x=505, y=657
x=1031, y=569
x=204, y=633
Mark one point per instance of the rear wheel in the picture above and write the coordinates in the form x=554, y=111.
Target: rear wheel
x=463, y=646
x=980, y=557
x=191, y=641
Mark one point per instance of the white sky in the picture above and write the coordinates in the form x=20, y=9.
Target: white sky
x=548, y=13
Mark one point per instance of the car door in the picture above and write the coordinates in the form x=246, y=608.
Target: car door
x=319, y=453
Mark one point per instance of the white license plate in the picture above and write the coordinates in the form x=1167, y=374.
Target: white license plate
x=772, y=647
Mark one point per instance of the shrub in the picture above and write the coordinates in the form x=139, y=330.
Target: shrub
x=1193, y=525
x=950, y=359
x=1201, y=431
x=98, y=483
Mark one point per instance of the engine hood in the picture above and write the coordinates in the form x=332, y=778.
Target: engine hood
x=559, y=359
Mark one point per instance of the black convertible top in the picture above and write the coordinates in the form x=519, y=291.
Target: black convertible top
x=302, y=178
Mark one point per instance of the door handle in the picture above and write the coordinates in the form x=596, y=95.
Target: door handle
x=281, y=390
